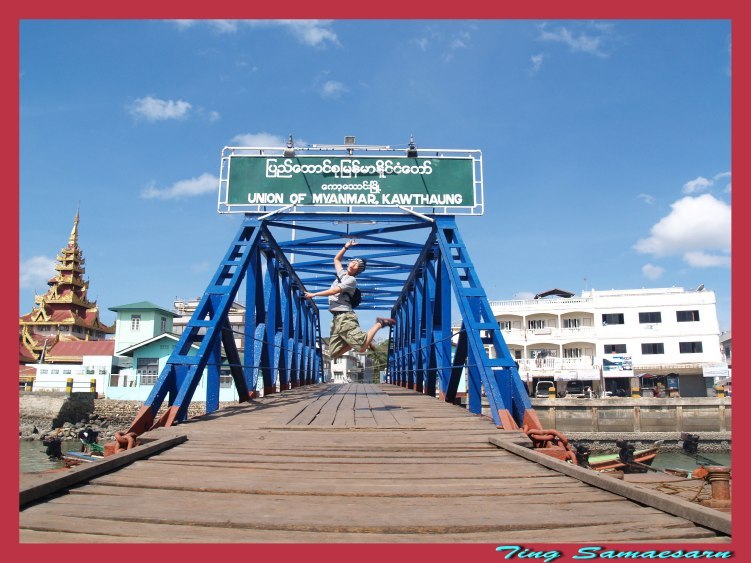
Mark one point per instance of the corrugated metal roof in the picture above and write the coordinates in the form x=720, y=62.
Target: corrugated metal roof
x=82, y=348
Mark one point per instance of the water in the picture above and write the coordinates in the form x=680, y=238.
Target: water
x=32, y=457
x=681, y=460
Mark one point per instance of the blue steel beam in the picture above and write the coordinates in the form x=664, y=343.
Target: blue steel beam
x=419, y=346
x=266, y=334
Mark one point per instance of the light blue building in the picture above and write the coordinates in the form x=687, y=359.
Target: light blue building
x=138, y=322
x=144, y=341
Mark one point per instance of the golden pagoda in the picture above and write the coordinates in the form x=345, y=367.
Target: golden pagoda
x=63, y=314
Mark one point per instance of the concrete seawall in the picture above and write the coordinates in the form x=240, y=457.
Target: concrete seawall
x=695, y=415
x=49, y=410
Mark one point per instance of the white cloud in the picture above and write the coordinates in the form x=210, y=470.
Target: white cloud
x=722, y=176
x=536, y=62
x=35, y=271
x=214, y=116
x=154, y=109
x=422, y=43
x=314, y=33
x=701, y=259
x=646, y=198
x=577, y=42
x=700, y=184
x=333, y=89
x=204, y=184
x=311, y=32
x=259, y=140
x=698, y=228
x=652, y=272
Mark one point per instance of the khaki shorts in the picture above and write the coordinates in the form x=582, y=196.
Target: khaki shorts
x=345, y=329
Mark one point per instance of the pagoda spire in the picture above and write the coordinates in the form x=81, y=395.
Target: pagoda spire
x=73, y=240
x=64, y=312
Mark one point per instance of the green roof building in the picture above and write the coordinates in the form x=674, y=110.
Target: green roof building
x=137, y=322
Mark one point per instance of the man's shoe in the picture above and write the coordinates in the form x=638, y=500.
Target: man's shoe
x=384, y=322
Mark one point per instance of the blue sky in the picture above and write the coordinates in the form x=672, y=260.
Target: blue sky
x=606, y=144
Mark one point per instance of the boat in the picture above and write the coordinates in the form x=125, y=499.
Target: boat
x=90, y=452
x=627, y=459
x=71, y=459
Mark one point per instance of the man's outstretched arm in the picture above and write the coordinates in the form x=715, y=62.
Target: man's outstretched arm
x=340, y=255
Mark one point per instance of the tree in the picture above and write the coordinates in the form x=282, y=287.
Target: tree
x=380, y=359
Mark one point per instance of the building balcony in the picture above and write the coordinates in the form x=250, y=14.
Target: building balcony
x=555, y=364
x=528, y=305
x=518, y=335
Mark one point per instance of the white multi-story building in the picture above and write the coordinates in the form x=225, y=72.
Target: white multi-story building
x=666, y=340
x=352, y=367
x=236, y=316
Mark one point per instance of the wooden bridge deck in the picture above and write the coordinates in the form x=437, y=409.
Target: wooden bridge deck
x=344, y=463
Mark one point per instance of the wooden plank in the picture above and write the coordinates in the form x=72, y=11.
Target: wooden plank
x=328, y=413
x=345, y=413
x=333, y=513
x=78, y=530
x=305, y=413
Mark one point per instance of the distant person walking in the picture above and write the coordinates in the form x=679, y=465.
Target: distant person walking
x=346, y=333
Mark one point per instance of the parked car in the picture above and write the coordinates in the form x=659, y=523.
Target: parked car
x=541, y=389
x=575, y=389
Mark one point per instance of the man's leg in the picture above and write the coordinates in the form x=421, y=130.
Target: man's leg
x=379, y=324
x=339, y=353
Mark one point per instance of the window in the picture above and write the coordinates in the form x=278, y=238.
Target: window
x=225, y=378
x=690, y=347
x=505, y=325
x=535, y=324
x=135, y=322
x=687, y=316
x=571, y=323
x=572, y=353
x=90, y=371
x=653, y=348
x=43, y=372
x=612, y=319
x=148, y=369
x=535, y=354
x=164, y=324
x=66, y=372
x=650, y=318
x=615, y=348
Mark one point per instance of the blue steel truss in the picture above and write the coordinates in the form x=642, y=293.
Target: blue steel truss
x=420, y=351
x=414, y=279
x=282, y=332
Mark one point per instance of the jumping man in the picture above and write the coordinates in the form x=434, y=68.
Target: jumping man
x=346, y=333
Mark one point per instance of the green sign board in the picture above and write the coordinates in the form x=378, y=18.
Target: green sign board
x=351, y=181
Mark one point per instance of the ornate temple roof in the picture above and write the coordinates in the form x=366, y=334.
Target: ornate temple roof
x=64, y=305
